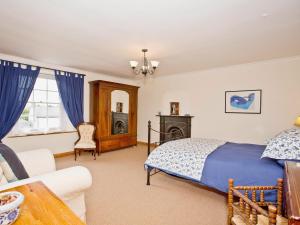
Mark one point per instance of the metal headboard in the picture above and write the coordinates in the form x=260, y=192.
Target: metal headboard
x=160, y=142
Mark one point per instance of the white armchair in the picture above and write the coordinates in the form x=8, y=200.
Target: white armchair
x=69, y=184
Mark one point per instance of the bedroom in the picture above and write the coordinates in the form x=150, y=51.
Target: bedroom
x=204, y=48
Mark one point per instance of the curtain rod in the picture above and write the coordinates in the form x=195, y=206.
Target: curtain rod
x=42, y=67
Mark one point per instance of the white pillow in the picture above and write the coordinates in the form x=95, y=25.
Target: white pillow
x=285, y=145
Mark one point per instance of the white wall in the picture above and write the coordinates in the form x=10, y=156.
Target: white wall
x=57, y=143
x=202, y=95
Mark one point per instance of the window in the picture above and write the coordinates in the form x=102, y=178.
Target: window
x=44, y=111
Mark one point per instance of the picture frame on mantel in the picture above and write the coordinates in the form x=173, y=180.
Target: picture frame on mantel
x=243, y=101
x=119, y=107
x=174, y=108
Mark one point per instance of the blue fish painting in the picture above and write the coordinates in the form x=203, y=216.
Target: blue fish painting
x=242, y=102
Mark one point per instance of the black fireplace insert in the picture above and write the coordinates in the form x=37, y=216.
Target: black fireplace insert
x=119, y=123
x=174, y=127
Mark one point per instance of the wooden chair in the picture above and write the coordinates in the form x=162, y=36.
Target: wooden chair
x=86, y=141
x=252, y=210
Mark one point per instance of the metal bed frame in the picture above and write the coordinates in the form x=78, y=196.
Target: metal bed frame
x=157, y=143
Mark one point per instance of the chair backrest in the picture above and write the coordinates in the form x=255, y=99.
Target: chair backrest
x=248, y=208
x=86, y=132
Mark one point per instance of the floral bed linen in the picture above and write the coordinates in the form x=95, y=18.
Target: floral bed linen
x=184, y=157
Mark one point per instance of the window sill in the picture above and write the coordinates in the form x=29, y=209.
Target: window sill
x=39, y=134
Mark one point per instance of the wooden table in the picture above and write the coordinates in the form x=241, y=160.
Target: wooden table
x=42, y=207
x=292, y=192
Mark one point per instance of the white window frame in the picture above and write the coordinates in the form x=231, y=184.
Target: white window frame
x=65, y=126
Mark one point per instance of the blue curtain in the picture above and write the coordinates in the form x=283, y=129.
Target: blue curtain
x=16, y=84
x=70, y=87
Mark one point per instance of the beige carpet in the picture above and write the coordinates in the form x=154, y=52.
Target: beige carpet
x=119, y=195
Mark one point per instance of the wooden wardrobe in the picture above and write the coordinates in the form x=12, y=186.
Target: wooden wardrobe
x=113, y=109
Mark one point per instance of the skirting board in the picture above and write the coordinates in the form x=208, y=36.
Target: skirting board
x=63, y=154
x=145, y=143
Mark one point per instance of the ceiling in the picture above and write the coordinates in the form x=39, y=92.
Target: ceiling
x=103, y=35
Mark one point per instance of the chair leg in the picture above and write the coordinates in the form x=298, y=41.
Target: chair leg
x=94, y=153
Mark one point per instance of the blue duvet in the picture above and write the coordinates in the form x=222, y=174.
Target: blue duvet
x=241, y=162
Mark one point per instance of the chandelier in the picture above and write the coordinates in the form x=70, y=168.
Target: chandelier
x=146, y=67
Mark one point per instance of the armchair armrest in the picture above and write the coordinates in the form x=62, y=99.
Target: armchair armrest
x=37, y=162
x=64, y=183
x=67, y=182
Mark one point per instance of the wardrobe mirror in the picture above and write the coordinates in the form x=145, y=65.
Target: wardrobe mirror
x=119, y=112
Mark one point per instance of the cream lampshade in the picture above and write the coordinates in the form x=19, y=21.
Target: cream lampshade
x=297, y=122
x=133, y=64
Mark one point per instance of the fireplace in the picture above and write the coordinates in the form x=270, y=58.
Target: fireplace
x=119, y=123
x=176, y=126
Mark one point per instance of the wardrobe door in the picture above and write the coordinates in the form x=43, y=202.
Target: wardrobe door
x=133, y=113
x=104, y=103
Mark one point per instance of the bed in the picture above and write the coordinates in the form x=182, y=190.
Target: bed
x=215, y=164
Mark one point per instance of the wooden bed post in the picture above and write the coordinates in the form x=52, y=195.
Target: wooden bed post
x=149, y=136
x=230, y=201
x=279, y=196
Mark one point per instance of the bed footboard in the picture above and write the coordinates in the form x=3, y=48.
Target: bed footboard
x=155, y=144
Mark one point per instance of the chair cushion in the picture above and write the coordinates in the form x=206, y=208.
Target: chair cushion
x=237, y=220
x=261, y=220
x=10, y=164
x=85, y=145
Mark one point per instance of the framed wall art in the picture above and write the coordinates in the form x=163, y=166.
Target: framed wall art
x=244, y=101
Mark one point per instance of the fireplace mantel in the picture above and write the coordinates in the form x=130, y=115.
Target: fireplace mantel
x=175, y=116
x=175, y=124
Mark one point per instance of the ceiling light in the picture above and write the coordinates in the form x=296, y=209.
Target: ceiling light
x=146, y=67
